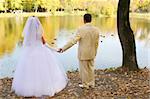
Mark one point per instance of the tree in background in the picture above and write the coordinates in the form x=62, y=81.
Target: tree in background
x=141, y=6
x=7, y=5
x=53, y=5
x=16, y=4
x=2, y=7
x=96, y=7
x=126, y=36
x=27, y=5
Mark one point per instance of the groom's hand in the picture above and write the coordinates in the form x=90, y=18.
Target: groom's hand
x=60, y=50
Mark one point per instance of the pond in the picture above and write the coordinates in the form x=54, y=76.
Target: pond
x=60, y=29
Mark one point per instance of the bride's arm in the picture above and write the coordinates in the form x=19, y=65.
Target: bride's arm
x=50, y=47
x=43, y=40
x=47, y=45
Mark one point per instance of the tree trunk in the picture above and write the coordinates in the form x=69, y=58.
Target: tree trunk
x=126, y=36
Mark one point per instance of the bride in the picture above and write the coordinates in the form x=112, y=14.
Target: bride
x=38, y=71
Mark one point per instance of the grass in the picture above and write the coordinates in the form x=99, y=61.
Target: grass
x=140, y=15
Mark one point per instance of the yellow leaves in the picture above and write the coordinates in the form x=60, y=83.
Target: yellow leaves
x=101, y=7
x=142, y=5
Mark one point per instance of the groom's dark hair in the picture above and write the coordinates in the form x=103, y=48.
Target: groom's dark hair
x=87, y=18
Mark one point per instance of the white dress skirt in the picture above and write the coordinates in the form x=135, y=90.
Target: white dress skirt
x=38, y=73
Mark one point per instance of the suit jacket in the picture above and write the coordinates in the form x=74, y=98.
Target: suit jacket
x=88, y=38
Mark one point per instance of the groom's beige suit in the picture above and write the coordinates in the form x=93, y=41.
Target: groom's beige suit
x=88, y=38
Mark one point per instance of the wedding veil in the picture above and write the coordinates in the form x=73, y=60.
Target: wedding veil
x=32, y=32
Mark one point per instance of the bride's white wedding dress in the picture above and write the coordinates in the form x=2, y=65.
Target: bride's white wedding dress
x=38, y=71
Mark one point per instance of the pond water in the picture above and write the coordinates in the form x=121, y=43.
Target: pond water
x=60, y=29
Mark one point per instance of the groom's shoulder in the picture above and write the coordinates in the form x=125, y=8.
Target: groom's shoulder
x=86, y=27
x=81, y=28
x=96, y=28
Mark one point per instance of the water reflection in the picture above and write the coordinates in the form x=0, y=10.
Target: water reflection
x=58, y=30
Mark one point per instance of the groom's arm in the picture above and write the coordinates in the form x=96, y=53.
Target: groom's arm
x=72, y=42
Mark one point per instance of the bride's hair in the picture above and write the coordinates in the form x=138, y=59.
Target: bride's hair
x=32, y=31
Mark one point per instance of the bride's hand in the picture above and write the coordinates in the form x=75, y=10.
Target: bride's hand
x=43, y=40
x=60, y=50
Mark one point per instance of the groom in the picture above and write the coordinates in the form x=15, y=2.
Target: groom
x=88, y=38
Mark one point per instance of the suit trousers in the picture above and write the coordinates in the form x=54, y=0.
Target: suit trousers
x=87, y=72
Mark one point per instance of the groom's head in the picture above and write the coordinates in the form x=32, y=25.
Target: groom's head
x=87, y=18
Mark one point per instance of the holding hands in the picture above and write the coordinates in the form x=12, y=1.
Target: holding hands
x=60, y=50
